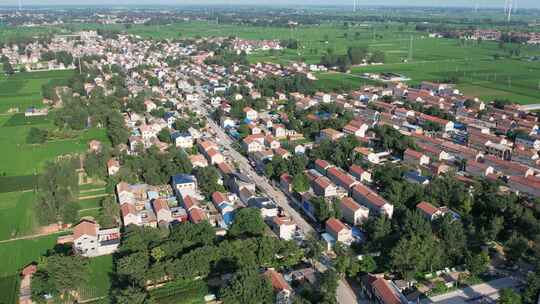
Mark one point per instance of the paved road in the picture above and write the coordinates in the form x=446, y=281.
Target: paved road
x=345, y=293
x=480, y=293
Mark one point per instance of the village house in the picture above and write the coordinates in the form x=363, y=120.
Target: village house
x=342, y=178
x=253, y=143
x=429, y=211
x=224, y=206
x=184, y=184
x=381, y=291
x=359, y=173
x=284, y=227
x=322, y=186
x=415, y=158
x=330, y=134
x=113, y=166
x=195, y=212
x=198, y=161
x=354, y=213
x=373, y=201
x=182, y=139
x=250, y=114
x=285, y=183
x=339, y=231
x=89, y=240
x=281, y=288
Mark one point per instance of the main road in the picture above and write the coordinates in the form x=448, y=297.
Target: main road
x=345, y=293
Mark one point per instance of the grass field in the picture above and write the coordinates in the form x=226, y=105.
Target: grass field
x=17, y=217
x=20, y=158
x=99, y=280
x=180, y=292
x=23, y=90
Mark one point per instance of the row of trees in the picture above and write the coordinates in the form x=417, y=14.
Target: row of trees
x=355, y=55
x=6, y=66
x=57, y=191
x=63, y=57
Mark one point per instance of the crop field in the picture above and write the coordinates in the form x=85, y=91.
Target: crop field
x=516, y=80
x=23, y=90
x=16, y=254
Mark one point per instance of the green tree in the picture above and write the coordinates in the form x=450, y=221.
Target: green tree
x=367, y=264
x=116, y=130
x=164, y=135
x=477, y=263
x=36, y=136
x=328, y=286
x=248, y=286
x=248, y=222
x=133, y=267
x=377, y=56
x=207, y=179
x=509, y=296
x=59, y=275
x=300, y=183
x=129, y=295
x=357, y=54
x=110, y=209
x=314, y=247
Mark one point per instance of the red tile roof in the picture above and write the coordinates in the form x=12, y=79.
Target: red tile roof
x=160, y=204
x=356, y=170
x=413, y=154
x=350, y=203
x=190, y=202
x=127, y=209
x=218, y=198
x=197, y=215
x=370, y=195
x=277, y=280
x=343, y=178
x=386, y=293
x=85, y=228
x=322, y=163
x=427, y=208
x=335, y=225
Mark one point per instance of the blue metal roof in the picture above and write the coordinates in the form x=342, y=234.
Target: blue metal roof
x=183, y=179
x=415, y=176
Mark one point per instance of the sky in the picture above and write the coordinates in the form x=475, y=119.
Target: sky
x=466, y=3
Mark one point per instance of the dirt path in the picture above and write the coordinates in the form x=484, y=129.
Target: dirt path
x=81, y=198
x=32, y=236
